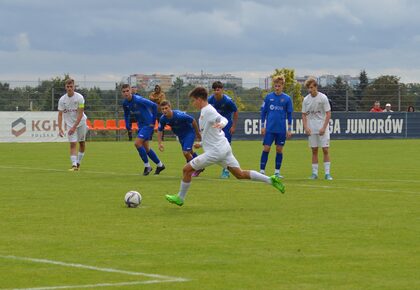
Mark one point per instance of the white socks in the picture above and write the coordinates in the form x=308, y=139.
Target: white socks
x=73, y=159
x=80, y=157
x=183, y=189
x=259, y=177
x=315, y=168
x=160, y=164
x=327, y=167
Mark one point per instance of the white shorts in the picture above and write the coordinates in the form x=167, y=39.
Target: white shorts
x=224, y=159
x=315, y=140
x=79, y=135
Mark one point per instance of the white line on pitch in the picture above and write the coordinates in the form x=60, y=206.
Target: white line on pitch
x=45, y=261
x=96, y=285
x=201, y=177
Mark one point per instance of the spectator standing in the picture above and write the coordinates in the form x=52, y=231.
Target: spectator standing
x=376, y=107
x=388, y=108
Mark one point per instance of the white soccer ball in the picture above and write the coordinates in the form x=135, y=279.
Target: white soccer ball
x=132, y=198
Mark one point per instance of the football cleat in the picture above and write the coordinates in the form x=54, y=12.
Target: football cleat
x=276, y=182
x=328, y=177
x=225, y=174
x=147, y=171
x=159, y=169
x=174, y=198
x=313, y=176
x=74, y=168
x=278, y=175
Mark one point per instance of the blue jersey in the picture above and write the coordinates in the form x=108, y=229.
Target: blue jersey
x=181, y=123
x=276, y=109
x=142, y=109
x=225, y=107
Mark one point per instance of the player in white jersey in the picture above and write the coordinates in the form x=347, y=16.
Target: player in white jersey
x=316, y=114
x=71, y=108
x=216, y=148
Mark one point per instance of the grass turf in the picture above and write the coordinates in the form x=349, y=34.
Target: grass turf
x=359, y=231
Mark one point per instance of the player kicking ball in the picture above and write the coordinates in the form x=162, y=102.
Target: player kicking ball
x=216, y=148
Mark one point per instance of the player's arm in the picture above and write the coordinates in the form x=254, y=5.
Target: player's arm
x=327, y=108
x=263, y=117
x=149, y=104
x=79, y=117
x=305, y=124
x=326, y=123
x=234, y=122
x=127, y=118
x=161, y=127
x=60, y=124
x=219, y=121
x=289, y=119
x=196, y=129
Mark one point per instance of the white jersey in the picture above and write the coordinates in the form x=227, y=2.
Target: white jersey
x=315, y=109
x=69, y=105
x=213, y=139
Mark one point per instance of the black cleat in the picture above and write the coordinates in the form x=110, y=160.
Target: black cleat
x=159, y=169
x=147, y=170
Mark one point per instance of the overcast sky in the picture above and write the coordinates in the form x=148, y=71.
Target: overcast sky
x=105, y=40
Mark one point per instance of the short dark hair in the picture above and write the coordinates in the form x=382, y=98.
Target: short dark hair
x=217, y=85
x=165, y=103
x=125, y=86
x=199, y=93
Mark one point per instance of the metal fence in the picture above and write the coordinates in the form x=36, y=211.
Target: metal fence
x=103, y=99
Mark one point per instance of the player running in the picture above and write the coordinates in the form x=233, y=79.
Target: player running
x=276, y=108
x=145, y=112
x=216, y=148
x=183, y=126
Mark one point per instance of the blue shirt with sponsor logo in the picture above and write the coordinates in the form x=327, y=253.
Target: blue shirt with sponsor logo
x=143, y=110
x=181, y=123
x=225, y=107
x=275, y=110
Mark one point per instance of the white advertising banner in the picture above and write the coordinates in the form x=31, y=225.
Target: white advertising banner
x=30, y=127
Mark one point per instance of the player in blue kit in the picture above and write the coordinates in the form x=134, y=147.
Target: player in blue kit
x=226, y=107
x=184, y=126
x=145, y=112
x=276, y=108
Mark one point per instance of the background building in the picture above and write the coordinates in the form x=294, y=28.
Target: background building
x=148, y=82
x=206, y=80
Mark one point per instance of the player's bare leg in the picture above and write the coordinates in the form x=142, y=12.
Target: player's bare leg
x=254, y=175
x=314, y=163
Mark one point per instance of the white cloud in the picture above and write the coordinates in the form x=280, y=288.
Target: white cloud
x=22, y=41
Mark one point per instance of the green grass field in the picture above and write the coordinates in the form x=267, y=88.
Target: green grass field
x=359, y=231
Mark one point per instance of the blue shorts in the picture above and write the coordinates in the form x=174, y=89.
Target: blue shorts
x=146, y=133
x=187, y=141
x=279, y=138
x=227, y=133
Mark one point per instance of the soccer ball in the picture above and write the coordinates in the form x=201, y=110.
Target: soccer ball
x=132, y=198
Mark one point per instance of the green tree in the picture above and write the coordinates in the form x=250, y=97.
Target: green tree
x=360, y=89
x=385, y=89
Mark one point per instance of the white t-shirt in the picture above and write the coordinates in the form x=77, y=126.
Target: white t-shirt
x=212, y=139
x=315, y=109
x=69, y=105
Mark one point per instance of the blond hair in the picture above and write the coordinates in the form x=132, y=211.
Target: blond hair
x=278, y=79
x=309, y=82
x=69, y=81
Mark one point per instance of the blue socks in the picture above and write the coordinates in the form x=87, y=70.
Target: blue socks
x=264, y=158
x=143, y=154
x=279, y=159
x=153, y=156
